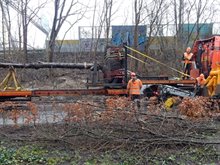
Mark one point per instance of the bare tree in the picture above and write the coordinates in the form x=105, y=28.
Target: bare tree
x=10, y=40
x=27, y=15
x=19, y=23
x=138, y=8
x=108, y=16
x=200, y=9
x=178, y=13
x=80, y=15
x=3, y=27
x=93, y=25
x=104, y=23
x=101, y=22
x=62, y=10
x=6, y=28
x=194, y=13
x=155, y=12
x=150, y=13
x=24, y=4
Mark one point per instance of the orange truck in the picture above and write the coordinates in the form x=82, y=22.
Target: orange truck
x=207, y=58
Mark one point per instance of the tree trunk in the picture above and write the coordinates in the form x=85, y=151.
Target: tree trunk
x=40, y=65
x=25, y=44
x=24, y=26
x=137, y=9
x=51, y=50
x=135, y=46
x=9, y=32
x=3, y=27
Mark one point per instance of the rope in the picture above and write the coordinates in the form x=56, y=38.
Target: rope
x=147, y=56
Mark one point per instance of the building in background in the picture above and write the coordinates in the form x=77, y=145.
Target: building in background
x=91, y=38
x=192, y=32
x=66, y=46
x=89, y=44
x=125, y=34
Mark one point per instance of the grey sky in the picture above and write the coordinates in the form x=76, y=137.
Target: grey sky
x=122, y=10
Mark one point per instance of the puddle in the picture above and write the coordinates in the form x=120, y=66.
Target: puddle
x=44, y=114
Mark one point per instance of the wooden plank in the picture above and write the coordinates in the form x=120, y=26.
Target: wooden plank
x=13, y=93
x=69, y=92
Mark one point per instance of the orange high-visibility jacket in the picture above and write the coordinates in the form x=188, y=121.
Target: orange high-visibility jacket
x=201, y=81
x=134, y=87
x=187, y=57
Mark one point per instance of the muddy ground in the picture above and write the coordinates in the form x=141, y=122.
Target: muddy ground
x=107, y=130
x=102, y=130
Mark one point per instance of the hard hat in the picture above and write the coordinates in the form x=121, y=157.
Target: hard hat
x=201, y=75
x=133, y=74
x=188, y=49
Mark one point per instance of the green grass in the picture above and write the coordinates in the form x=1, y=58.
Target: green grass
x=34, y=155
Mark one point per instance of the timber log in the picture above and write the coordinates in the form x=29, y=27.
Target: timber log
x=38, y=65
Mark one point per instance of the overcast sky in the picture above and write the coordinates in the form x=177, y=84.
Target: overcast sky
x=120, y=17
x=122, y=10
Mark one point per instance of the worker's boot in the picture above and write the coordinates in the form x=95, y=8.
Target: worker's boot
x=138, y=103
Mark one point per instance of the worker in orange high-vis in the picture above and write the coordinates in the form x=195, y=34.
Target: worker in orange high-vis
x=187, y=59
x=201, y=81
x=134, y=88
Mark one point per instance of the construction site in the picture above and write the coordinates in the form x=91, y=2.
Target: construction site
x=70, y=103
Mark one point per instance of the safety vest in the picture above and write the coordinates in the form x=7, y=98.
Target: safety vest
x=187, y=57
x=134, y=87
x=210, y=57
x=204, y=57
x=201, y=81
